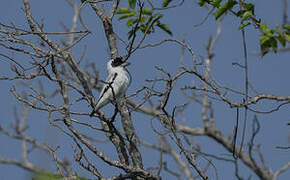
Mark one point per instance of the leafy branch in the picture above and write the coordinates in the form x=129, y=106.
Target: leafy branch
x=147, y=16
x=269, y=37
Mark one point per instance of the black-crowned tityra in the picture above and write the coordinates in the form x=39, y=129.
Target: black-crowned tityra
x=116, y=83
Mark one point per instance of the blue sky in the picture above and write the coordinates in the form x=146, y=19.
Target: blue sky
x=269, y=74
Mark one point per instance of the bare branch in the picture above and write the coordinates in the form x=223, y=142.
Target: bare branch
x=281, y=170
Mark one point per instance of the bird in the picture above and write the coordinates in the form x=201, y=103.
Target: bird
x=116, y=84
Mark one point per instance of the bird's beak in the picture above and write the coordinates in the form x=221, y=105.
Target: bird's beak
x=126, y=64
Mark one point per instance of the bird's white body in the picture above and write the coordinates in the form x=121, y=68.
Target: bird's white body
x=116, y=84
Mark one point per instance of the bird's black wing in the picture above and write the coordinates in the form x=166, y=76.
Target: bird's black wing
x=107, y=85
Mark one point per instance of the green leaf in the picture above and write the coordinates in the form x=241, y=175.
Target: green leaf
x=157, y=16
x=287, y=27
x=224, y=8
x=131, y=33
x=263, y=39
x=287, y=37
x=281, y=39
x=267, y=42
x=274, y=44
x=165, y=3
x=123, y=11
x=281, y=35
x=201, y=3
x=264, y=48
x=83, y=1
x=143, y=28
x=127, y=15
x=216, y=3
x=165, y=28
x=244, y=25
x=147, y=11
x=146, y=25
x=269, y=32
x=263, y=27
x=132, y=3
x=249, y=7
x=143, y=19
x=240, y=13
x=130, y=22
x=246, y=16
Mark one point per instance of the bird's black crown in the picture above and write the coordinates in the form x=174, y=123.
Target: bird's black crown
x=117, y=62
